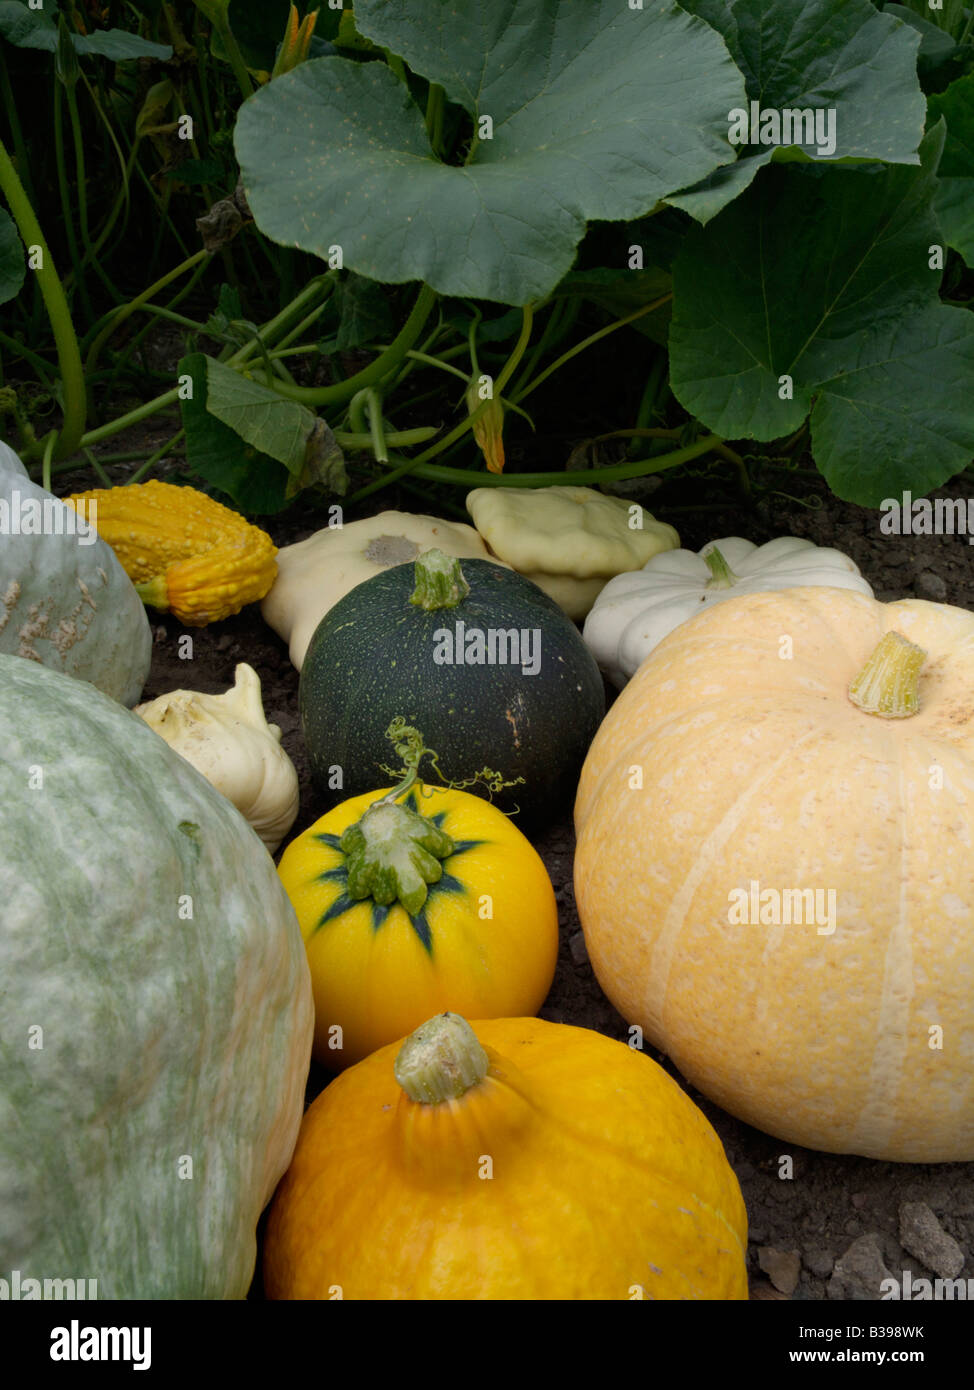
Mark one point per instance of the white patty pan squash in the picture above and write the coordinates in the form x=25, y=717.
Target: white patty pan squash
x=569, y=540
x=155, y=1014
x=774, y=866
x=635, y=611
x=65, y=600
x=315, y=573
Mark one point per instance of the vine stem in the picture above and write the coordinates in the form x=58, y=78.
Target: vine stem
x=268, y=333
x=65, y=338
x=435, y=362
x=222, y=24
x=467, y=477
x=467, y=424
x=343, y=391
x=127, y=310
x=586, y=343
x=132, y=417
x=510, y=366
x=160, y=453
x=434, y=118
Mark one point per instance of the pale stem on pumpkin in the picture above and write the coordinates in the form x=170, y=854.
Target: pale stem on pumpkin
x=887, y=684
x=439, y=581
x=441, y=1061
x=722, y=576
x=392, y=853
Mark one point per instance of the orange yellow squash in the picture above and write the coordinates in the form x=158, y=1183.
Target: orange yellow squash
x=774, y=866
x=473, y=928
x=508, y=1159
x=184, y=552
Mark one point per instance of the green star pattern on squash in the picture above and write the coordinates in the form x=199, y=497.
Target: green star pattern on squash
x=446, y=884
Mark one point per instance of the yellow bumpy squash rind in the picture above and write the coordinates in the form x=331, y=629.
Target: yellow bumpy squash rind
x=184, y=552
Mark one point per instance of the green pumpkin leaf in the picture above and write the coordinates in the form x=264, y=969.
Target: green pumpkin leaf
x=955, y=194
x=365, y=314
x=808, y=54
x=323, y=465
x=13, y=264
x=597, y=111
x=218, y=455
x=936, y=45
x=26, y=28
x=886, y=371
x=276, y=427
x=905, y=419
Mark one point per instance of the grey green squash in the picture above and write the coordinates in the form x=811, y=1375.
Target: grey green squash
x=65, y=600
x=155, y=1005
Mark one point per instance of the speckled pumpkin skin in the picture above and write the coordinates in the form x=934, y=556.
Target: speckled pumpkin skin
x=372, y=659
x=145, y=932
x=69, y=605
x=378, y=973
x=758, y=768
x=606, y=1182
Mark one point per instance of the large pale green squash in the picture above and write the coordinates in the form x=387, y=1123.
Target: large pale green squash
x=155, y=1005
x=65, y=600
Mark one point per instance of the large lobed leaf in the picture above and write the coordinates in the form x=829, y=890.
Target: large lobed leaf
x=955, y=193
x=29, y=28
x=598, y=111
x=827, y=281
x=841, y=55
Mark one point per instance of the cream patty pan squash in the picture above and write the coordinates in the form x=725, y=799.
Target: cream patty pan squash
x=155, y=1006
x=313, y=574
x=737, y=762
x=634, y=612
x=568, y=540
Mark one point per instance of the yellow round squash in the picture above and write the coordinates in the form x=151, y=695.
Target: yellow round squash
x=481, y=936
x=508, y=1159
x=775, y=866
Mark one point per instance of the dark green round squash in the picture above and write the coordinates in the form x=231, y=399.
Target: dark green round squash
x=416, y=641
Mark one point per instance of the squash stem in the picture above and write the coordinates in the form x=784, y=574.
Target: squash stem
x=441, y=1061
x=887, y=684
x=721, y=574
x=439, y=582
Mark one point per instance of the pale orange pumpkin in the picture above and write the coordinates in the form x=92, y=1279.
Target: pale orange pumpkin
x=736, y=778
x=548, y=1162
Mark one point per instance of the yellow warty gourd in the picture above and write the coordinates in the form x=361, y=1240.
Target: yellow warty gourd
x=184, y=552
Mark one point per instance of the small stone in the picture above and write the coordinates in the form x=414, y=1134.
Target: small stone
x=930, y=586
x=159, y=634
x=781, y=1266
x=224, y=642
x=859, y=1273
x=924, y=1237
x=576, y=945
x=744, y=1170
x=819, y=1262
x=859, y=1200
x=761, y=1289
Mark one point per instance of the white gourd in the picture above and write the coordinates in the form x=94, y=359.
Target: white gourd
x=228, y=739
x=635, y=611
